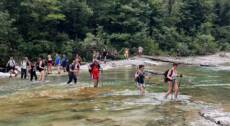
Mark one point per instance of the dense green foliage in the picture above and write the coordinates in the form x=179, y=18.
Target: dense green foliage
x=176, y=27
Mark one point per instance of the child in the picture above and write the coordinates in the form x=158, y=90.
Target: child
x=139, y=78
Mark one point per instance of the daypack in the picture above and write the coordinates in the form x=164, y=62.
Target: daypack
x=67, y=67
x=136, y=76
x=166, y=73
x=91, y=67
x=37, y=66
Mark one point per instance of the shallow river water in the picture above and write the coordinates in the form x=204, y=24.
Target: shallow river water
x=116, y=102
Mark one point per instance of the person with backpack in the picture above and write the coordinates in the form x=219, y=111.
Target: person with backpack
x=140, y=79
x=11, y=64
x=94, y=70
x=33, y=71
x=72, y=72
x=170, y=78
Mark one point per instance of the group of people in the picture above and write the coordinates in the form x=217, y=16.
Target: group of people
x=139, y=52
x=170, y=77
x=29, y=67
x=44, y=66
x=73, y=69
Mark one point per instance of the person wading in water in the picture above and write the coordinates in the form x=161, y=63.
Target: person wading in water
x=72, y=70
x=94, y=70
x=170, y=78
x=140, y=79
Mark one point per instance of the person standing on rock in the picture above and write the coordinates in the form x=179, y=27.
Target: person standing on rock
x=171, y=76
x=140, y=51
x=126, y=53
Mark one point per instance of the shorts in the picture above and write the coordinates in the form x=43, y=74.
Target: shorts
x=11, y=68
x=49, y=62
x=40, y=70
x=140, y=84
x=167, y=80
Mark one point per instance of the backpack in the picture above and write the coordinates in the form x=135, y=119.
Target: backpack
x=67, y=67
x=136, y=76
x=37, y=66
x=166, y=73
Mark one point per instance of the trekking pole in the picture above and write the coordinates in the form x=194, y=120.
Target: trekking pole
x=102, y=78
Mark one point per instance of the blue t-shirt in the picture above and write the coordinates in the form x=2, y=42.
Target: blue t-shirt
x=58, y=60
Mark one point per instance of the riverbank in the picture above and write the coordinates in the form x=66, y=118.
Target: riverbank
x=219, y=61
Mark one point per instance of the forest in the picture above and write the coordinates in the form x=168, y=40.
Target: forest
x=162, y=27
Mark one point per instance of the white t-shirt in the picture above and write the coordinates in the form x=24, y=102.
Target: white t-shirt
x=23, y=64
x=11, y=63
x=140, y=49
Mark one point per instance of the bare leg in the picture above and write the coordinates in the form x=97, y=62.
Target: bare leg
x=142, y=90
x=176, y=90
x=169, y=89
x=95, y=83
x=43, y=75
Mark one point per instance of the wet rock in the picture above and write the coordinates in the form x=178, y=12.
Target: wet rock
x=217, y=116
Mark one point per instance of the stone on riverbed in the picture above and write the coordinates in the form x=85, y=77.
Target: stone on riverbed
x=216, y=116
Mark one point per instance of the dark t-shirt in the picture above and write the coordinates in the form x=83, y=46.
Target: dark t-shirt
x=141, y=78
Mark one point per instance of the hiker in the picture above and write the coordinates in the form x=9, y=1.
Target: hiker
x=78, y=57
x=140, y=51
x=77, y=66
x=11, y=64
x=24, y=65
x=64, y=62
x=41, y=69
x=126, y=53
x=50, y=64
x=58, y=63
x=72, y=72
x=94, y=70
x=94, y=54
x=104, y=55
x=139, y=79
x=97, y=55
x=33, y=71
x=170, y=78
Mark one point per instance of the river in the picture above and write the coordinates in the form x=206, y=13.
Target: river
x=116, y=102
